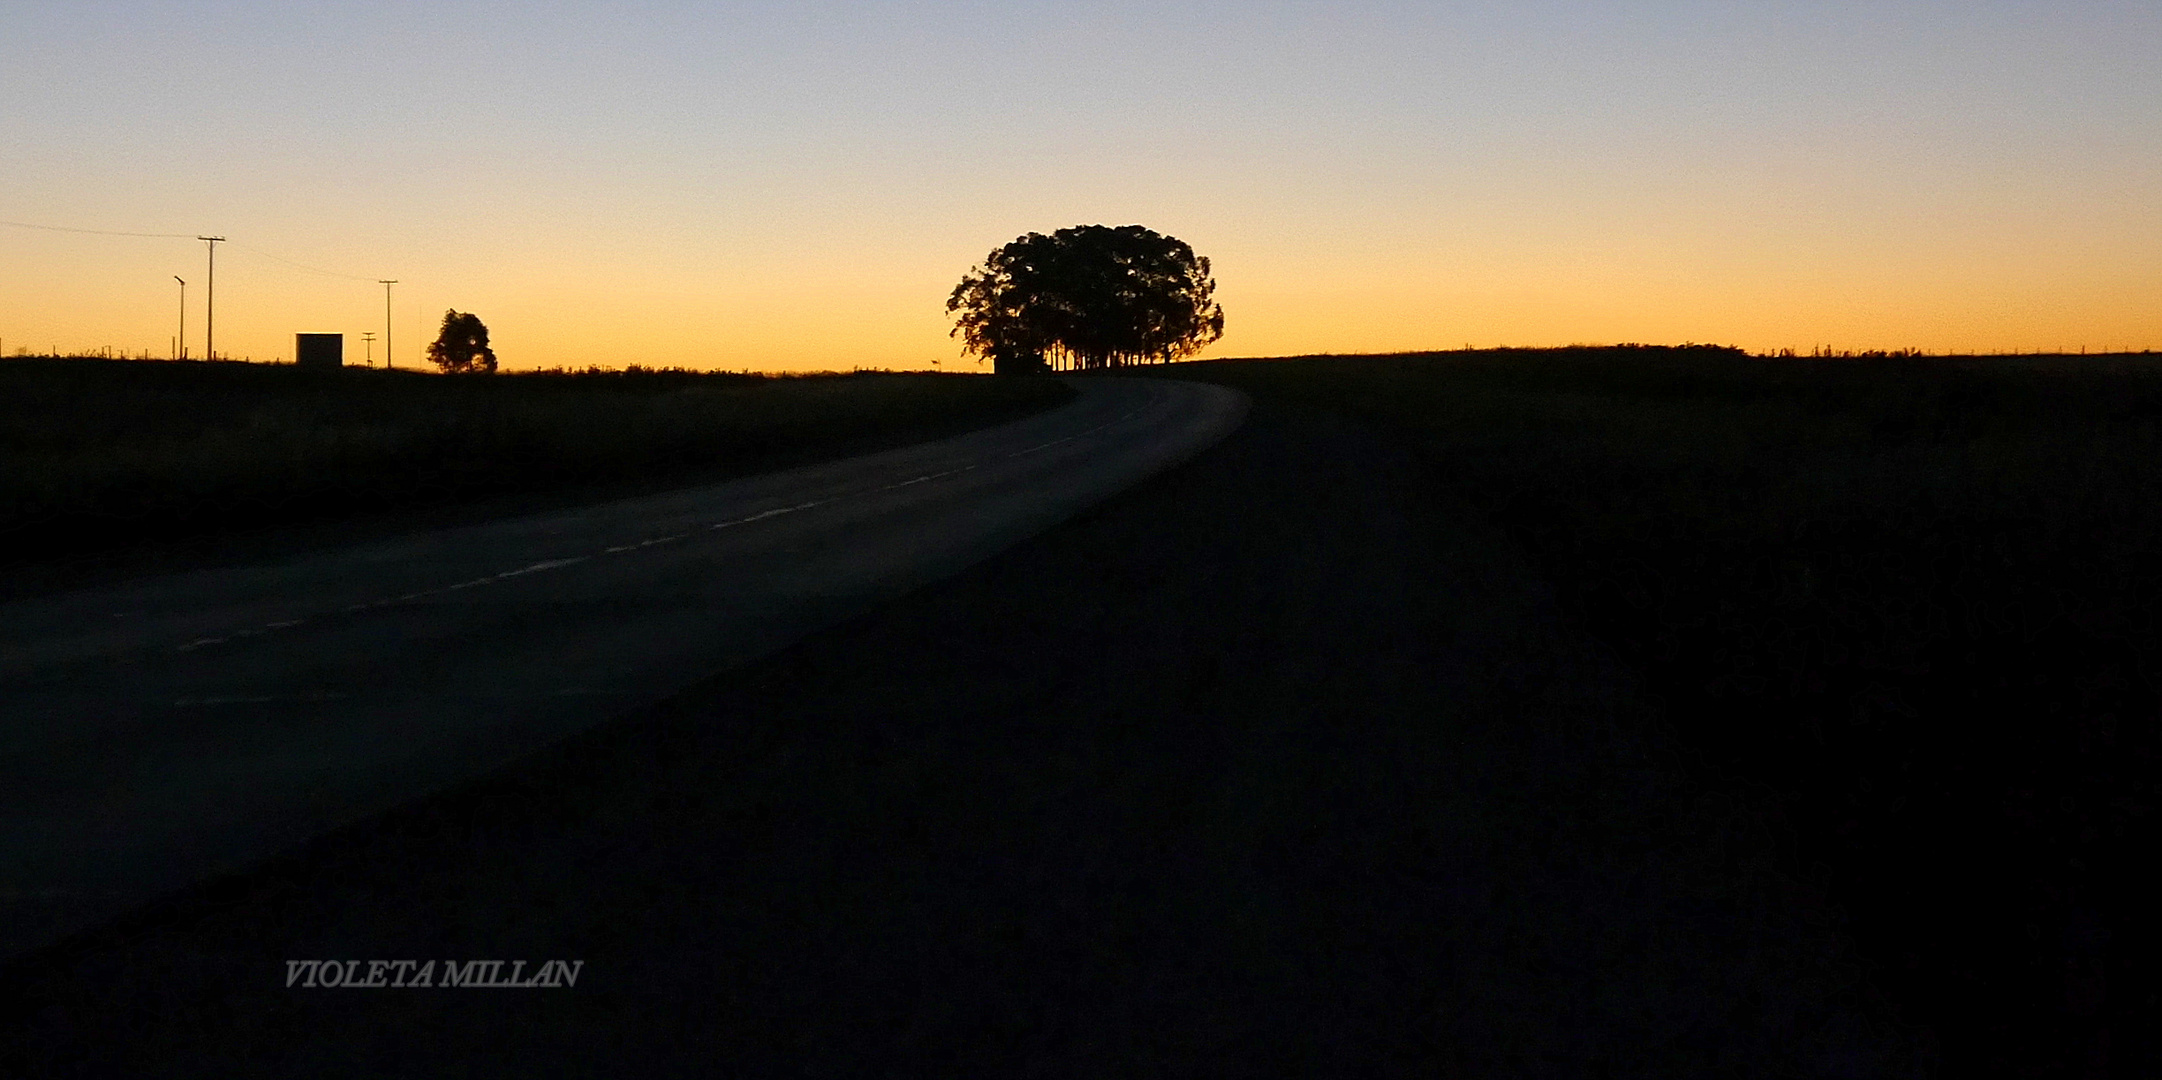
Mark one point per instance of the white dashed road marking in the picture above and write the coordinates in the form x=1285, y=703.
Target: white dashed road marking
x=557, y=564
x=1077, y=435
x=770, y=513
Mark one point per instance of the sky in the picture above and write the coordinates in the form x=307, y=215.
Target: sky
x=799, y=185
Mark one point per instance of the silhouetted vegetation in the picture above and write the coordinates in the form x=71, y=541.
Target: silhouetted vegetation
x=1911, y=602
x=101, y=454
x=1086, y=298
x=462, y=346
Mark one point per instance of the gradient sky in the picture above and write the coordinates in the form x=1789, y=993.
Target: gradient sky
x=799, y=185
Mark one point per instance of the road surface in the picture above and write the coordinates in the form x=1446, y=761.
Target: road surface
x=156, y=732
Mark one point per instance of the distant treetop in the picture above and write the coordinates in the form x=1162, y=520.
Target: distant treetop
x=462, y=346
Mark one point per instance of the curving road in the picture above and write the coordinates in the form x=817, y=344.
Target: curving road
x=156, y=732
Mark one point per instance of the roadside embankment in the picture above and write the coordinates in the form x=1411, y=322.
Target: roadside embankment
x=100, y=456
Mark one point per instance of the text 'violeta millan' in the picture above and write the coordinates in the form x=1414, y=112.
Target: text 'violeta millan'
x=404, y=974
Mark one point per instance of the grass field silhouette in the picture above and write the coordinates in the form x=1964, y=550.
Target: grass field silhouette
x=1909, y=600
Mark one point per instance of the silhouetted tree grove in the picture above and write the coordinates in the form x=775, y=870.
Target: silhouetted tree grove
x=462, y=346
x=1085, y=298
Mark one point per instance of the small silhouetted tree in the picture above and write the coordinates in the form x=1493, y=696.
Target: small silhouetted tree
x=462, y=347
x=1087, y=297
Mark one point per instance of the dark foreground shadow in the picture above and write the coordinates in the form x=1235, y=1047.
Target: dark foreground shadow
x=1277, y=765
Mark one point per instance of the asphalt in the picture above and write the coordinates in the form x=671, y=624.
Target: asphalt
x=1279, y=763
x=158, y=731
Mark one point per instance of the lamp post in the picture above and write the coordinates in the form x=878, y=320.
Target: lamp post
x=180, y=344
x=388, y=363
x=210, y=305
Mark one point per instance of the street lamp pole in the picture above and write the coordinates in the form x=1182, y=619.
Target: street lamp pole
x=388, y=363
x=180, y=344
x=210, y=306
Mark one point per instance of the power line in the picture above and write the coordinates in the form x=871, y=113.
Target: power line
x=303, y=266
x=187, y=236
x=209, y=346
x=98, y=232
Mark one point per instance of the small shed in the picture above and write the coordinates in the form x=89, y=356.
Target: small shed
x=319, y=350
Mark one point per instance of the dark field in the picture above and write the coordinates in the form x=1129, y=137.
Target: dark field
x=1279, y=764
x=1285, y=763
x=1910, y=603
x=98, y=455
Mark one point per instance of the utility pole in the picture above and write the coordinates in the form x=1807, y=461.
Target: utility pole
x=210, y=307
x=388, y=362
x=368, y=338
x=180, y=344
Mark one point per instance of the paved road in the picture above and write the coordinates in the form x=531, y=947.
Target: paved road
x=158, y=731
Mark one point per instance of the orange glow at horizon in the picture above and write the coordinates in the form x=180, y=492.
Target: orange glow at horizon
x=772, y=187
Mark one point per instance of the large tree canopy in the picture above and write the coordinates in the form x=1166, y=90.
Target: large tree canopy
x=463, y=345
x=1087, y=297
